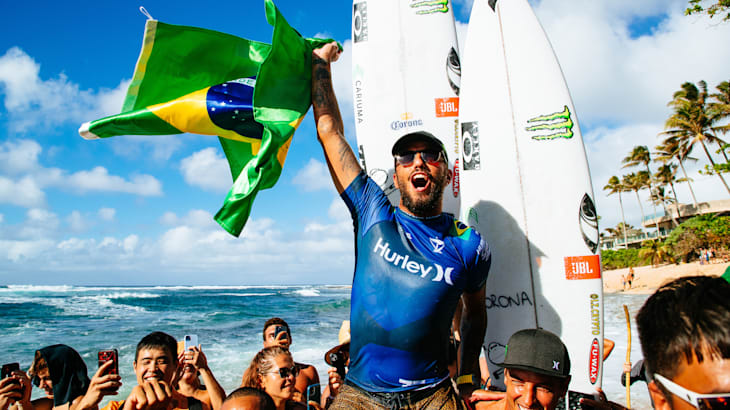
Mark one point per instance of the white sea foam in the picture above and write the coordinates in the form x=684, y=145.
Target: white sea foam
x=308, y=292
x=128, y=295
x=245, y=294
x=37, y=288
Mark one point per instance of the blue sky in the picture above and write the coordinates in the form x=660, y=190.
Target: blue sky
x=138, y=209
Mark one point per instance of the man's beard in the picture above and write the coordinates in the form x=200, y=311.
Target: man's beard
x=424, y=206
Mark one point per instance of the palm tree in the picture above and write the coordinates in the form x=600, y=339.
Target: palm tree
x=636, y=181
x=692, y=121
x=667, y=175
x=640, y=155
x=655, y=251
x=615, y=186
x=660, y=196
x=720, y=109
x=672, y=148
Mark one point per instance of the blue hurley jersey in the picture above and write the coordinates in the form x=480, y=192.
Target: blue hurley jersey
x=409, y=275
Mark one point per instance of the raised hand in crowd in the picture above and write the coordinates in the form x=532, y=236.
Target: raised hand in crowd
x=192, y=363
x=15, y=389
x=102, y=384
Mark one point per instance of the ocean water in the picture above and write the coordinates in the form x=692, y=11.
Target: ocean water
x=228, y=321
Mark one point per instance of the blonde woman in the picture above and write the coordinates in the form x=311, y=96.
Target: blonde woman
x=273, y=371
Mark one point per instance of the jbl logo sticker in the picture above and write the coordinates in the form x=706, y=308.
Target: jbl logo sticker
x=583, y=267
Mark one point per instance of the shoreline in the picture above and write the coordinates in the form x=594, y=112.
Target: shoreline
x=647, y=279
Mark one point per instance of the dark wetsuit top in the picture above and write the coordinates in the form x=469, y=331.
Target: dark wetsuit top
x=409, y=275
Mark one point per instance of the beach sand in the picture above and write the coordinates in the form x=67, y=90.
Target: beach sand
x=648, y=279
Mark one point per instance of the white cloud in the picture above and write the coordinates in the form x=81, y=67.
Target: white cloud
x=313, y=177
x=338, y=211
x=130, y=243
x=39, y=224
x=77, y=222
x=18, y=157
x=19, y=251
x=35, y=103
x=107, y=214
x=207, y=169
x=25, y=177
x=169, y=218
x=161, y=146
x=24, y=192
x=99, y=180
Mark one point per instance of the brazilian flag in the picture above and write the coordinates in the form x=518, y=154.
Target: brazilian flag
x=251, y=95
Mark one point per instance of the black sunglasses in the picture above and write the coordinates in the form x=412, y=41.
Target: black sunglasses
x=284, y=372
x=406, y=158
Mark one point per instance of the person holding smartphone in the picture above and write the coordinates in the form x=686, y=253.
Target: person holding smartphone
x=277, y=333
x=61, y=372
x=193, y=364
x=155, y=366
x=15, y=388
x=106, y=382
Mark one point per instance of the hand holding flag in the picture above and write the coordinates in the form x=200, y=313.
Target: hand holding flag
x=252, y=95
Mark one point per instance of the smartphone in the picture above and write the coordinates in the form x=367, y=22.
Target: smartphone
x=190, y=341
x=280, y=329
x=9, y=368
x=109, y=355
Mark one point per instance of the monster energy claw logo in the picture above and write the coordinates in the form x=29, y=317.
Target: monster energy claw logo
x=430, y=6
x=559, y=121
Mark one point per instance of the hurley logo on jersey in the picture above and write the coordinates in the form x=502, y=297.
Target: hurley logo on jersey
x=403, y=262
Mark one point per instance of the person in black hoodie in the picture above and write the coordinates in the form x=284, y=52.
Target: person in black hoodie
x=61, y=372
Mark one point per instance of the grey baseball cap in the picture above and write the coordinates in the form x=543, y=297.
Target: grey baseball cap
x=537, y=351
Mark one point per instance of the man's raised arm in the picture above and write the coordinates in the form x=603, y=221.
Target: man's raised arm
x=341, y=160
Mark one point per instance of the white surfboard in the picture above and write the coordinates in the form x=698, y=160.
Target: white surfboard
x=406, y=76
x=526, y=186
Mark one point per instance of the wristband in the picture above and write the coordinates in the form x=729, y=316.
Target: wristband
x=465, y=379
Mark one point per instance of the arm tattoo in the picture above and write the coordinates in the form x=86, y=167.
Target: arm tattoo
x=347, y=157
x=323, y=96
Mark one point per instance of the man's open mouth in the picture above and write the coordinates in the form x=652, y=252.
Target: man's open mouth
x=420, y=181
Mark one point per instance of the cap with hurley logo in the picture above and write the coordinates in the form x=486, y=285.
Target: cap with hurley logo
x=538, y=351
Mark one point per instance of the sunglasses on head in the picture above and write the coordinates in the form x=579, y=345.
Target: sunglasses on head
x=284, y=372
x=406, y=158
x=700, y=401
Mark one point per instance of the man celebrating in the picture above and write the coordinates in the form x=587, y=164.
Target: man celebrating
x=405, y=288
x=536, y=372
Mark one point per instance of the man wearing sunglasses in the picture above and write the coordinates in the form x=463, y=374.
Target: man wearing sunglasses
x=413, y=263
x=684, y=329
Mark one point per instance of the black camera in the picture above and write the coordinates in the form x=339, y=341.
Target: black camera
x=337, y=359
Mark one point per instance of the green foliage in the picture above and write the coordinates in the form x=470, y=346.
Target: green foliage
x=702, y=231
x=720, y=7
x=656, y=252
x=621, y=258
x=716, y=169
